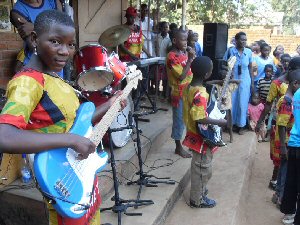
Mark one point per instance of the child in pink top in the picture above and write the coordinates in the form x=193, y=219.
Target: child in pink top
x=255, y=108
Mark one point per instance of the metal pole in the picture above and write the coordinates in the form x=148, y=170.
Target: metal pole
x=183, y=18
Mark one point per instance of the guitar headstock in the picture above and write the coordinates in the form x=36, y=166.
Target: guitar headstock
x=231, y=61
x=133, y=76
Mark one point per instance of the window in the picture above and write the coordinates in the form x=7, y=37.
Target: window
x=5, y=6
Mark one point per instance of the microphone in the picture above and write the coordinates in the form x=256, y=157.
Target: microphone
x=188, y=48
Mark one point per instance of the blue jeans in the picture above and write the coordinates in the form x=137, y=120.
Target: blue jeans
x=178, y=124
x=281, y=179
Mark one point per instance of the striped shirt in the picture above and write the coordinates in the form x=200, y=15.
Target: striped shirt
x=263, y=87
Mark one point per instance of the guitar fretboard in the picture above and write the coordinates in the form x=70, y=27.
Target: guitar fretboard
x=101, y=128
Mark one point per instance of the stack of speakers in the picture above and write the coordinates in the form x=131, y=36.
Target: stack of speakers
x=215, y=37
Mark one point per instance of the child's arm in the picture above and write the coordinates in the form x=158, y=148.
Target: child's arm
x=282, y=136
x=191, y=56
x=220, y=122
x=220, y=82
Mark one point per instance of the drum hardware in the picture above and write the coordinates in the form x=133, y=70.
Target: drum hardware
x=114, y=36
x=144, y=178
x=120, y=205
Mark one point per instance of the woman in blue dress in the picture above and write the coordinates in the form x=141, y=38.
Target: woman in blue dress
x=242, y=71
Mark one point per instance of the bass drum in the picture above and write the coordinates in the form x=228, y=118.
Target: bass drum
x=119, y=138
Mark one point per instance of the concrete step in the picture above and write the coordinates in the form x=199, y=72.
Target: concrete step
x=18, y=201
x=164, y=196
x=229, y=187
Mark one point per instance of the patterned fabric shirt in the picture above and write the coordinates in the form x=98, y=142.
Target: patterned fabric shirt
x=284, y=118
x=277, y=89
x=194, y=108
x=134, y=44
x=175, y=64
x=45, y=104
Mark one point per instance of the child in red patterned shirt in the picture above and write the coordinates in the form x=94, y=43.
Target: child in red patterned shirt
x=178, y=64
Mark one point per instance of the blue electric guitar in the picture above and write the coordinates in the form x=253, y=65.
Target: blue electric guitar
x=212, y=134
x=69, y=182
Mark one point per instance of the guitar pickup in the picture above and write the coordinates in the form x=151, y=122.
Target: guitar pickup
x=61, y=189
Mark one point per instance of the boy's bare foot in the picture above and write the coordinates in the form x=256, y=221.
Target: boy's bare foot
x=181, y=152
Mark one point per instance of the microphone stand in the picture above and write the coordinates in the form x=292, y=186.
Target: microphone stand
x=121, y=205
x=144, y=178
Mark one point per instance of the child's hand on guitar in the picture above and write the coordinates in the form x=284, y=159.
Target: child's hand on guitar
x=83, y=146
x=123, y=102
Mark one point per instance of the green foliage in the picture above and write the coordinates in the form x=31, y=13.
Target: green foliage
x=233, y=12
x=291, y=9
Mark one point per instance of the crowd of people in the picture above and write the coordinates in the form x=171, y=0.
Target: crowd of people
x=262, y=96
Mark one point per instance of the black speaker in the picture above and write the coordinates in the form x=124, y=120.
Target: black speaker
x=217, y=63
x=215, y=37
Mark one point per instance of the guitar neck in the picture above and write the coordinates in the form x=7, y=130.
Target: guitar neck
x=101, y=128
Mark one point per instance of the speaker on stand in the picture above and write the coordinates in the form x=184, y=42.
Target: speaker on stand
x=215, y=37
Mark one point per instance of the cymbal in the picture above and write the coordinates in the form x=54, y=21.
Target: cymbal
x=114, y=36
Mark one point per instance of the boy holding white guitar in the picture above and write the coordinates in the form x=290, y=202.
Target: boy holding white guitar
x=195, y=100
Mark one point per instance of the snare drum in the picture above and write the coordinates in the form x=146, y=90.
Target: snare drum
x=119, y=69
x=92, y=68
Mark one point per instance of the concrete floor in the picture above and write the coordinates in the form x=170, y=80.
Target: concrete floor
x=256, y=209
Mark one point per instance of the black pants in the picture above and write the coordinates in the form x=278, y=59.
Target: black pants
x=291, y=199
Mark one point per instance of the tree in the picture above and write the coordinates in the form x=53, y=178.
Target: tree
x=291, y=9
x=202, y=11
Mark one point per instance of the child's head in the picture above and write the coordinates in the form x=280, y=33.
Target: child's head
x=164, y=27
x=277, y=54
x=196, y=36
x=131, y=14
x=265, y=50
x=255, y=99
x=173, y=26
x=294, y=80
x=201, y=67
x=285, y=60
x=179, y=39
x=191, y=39
x=54, y=39
x=268, y=71
x=280, y=49
x=294, y=64
x=255, y=47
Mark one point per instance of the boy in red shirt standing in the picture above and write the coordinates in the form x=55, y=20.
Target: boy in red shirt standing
x=178, y=64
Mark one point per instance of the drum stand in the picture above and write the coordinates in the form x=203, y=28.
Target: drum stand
x=142, y=88
x=121, y=205
x=144, y=178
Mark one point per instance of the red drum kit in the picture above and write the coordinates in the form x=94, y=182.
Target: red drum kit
x=100, y=76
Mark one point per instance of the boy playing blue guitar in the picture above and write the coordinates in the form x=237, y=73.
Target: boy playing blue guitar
x=195, y=100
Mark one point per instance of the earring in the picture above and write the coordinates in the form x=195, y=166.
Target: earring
x=35, y=51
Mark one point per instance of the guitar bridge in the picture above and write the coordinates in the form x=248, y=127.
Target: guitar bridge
x=61, y=189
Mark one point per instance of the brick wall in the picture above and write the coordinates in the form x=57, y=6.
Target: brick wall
x=10, y=44
x=290, y=42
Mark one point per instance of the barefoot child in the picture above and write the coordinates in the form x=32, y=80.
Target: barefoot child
x=255, y=109
x=195, y=104
x=178, y=64
x=41, y=107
